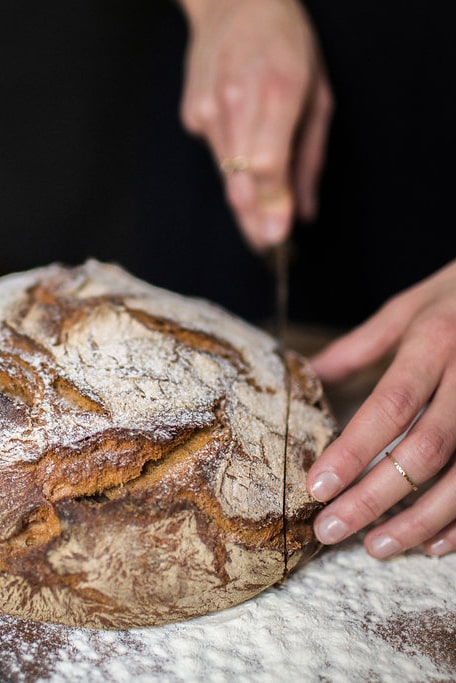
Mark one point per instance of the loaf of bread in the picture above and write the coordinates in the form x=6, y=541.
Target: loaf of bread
x=153, y=451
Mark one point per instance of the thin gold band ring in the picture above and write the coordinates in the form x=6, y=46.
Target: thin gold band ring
x=234, y=164
x=401, y=470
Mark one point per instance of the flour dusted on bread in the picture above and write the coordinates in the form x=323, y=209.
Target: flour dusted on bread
x=143, y=451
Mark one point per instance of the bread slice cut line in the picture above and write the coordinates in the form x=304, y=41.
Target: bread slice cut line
x=154, y=452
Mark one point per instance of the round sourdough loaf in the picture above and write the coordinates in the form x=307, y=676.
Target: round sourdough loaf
x=153, y=451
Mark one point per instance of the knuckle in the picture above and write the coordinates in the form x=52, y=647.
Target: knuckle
x=200, y=113
x=442, y=329
x=423, y=528
x=350, y=459
x=430, y=447
x=284, y=85
x=398, y=405
x=368, y=506
x=188, y=119
x=231, y=94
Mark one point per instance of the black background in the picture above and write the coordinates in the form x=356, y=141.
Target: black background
x=94, y=161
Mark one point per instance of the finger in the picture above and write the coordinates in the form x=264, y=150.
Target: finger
x=371, y=341
x=238, y=115
x=272, y=152
x=241, y=193
x=423, y=453
x=239, y=184
x=361, y=347
x=237, y=104
x=390, y=409
x=259, y=230
x=198, y=106
x=443, y=542
x=206, y=96
x=269, y=138
x=430, y=520
x=311, y=150
x=264, y=210
x=204, y=113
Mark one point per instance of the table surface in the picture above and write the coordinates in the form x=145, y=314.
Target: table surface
x=344, y=617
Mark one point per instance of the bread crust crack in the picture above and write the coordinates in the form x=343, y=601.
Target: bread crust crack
x=153, y=451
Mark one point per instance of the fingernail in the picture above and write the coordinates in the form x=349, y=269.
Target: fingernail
x=274, y=230
x=441, y=547
x=331, y=530
x=384, y=546
x=326, y=485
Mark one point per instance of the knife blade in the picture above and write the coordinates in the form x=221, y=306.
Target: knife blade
x=280, y=255
x=281, y=265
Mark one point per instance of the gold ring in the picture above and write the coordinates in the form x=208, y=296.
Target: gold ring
x=403, y=472
x=234, y=164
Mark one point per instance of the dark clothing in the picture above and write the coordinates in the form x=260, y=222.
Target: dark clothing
x=94, y=160
x=388, y=214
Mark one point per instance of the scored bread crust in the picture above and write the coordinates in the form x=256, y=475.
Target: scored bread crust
x=142, y=451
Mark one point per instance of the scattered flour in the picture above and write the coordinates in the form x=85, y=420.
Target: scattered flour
x=344, y=617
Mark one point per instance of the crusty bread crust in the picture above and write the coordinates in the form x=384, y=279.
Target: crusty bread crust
x=142, y=451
